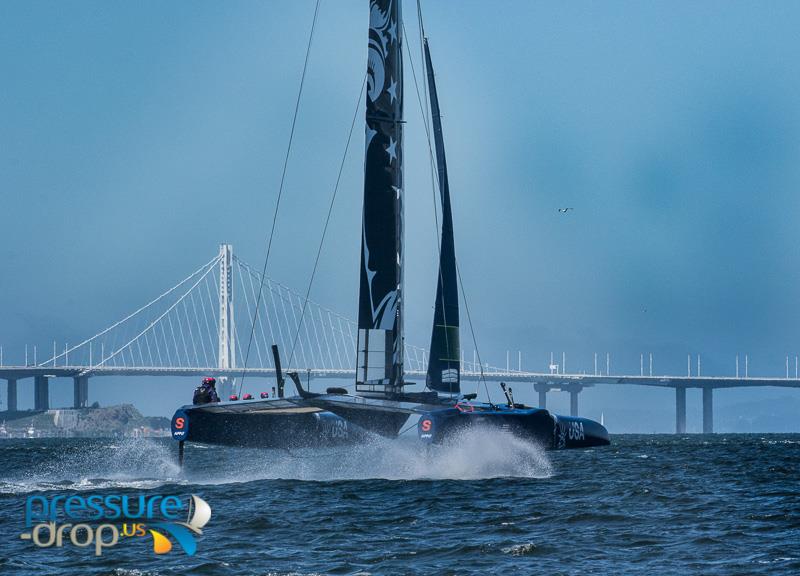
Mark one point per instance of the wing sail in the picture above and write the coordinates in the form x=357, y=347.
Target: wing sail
x=444, y=364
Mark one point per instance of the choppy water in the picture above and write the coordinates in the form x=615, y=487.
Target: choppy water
x=646, y=505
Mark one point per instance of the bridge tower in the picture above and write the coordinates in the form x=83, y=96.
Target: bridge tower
x=227, y=330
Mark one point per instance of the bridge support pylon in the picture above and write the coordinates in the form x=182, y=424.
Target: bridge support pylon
x=708, y=410
x=227, y=341
x=542, y=389
x=80, y=391
x=11, y=395
x=574, y=390
x=41, y=393
x=680, y=410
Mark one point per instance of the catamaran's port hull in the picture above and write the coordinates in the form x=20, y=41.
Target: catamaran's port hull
x=281, y=423
x=295, y=428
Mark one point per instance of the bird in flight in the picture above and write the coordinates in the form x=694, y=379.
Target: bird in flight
x=565, y=210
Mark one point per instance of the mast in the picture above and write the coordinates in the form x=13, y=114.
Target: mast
x=444, y=366
x=380, y=309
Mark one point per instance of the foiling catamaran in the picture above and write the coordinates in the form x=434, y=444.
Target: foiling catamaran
x=381, y=404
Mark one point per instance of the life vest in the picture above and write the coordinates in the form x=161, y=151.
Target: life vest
x=201, y=395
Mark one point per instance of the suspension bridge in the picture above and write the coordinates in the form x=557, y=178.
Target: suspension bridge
x=202, y=325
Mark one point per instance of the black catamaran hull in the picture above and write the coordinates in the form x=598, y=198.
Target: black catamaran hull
x=264, y=424
x=316, y=421
x=536, y=425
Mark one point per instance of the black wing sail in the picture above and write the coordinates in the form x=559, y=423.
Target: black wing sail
x=380, y=319
x=444, y=367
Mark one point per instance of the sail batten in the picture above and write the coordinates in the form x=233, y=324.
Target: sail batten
x=380, y=311
x=444, y=365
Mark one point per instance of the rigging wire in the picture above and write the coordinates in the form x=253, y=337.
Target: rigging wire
x=458, y=269
x=425, y=117
x=327, y=219
x=280, y=192
x=211, y=263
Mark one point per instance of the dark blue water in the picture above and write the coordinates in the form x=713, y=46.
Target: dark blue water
x=645, y=505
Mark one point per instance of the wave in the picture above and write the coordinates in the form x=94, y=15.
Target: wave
x=93, y=465
x=474, y=455
x=148, y=464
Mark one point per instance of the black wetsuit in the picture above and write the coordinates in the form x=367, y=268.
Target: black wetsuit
x=205, y=394
x=212, y=393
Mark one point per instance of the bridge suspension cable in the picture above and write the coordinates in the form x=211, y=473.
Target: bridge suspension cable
x=203, y=269
x=181, y=329
x=127, y=345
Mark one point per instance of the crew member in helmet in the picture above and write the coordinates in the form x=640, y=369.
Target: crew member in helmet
x=206, y=392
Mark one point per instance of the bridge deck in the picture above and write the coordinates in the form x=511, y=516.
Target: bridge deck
x=553, y=380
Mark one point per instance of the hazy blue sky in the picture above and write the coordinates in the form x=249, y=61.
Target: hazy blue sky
x=136, y=136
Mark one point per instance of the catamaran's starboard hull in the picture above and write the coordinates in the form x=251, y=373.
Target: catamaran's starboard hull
x=537, y=425
x=264, y=424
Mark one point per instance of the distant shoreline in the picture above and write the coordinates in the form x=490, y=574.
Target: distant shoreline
x=119, y=421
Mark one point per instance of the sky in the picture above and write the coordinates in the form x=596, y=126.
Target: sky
x=136, y=137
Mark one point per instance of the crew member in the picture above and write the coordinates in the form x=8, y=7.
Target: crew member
x=206, y=392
